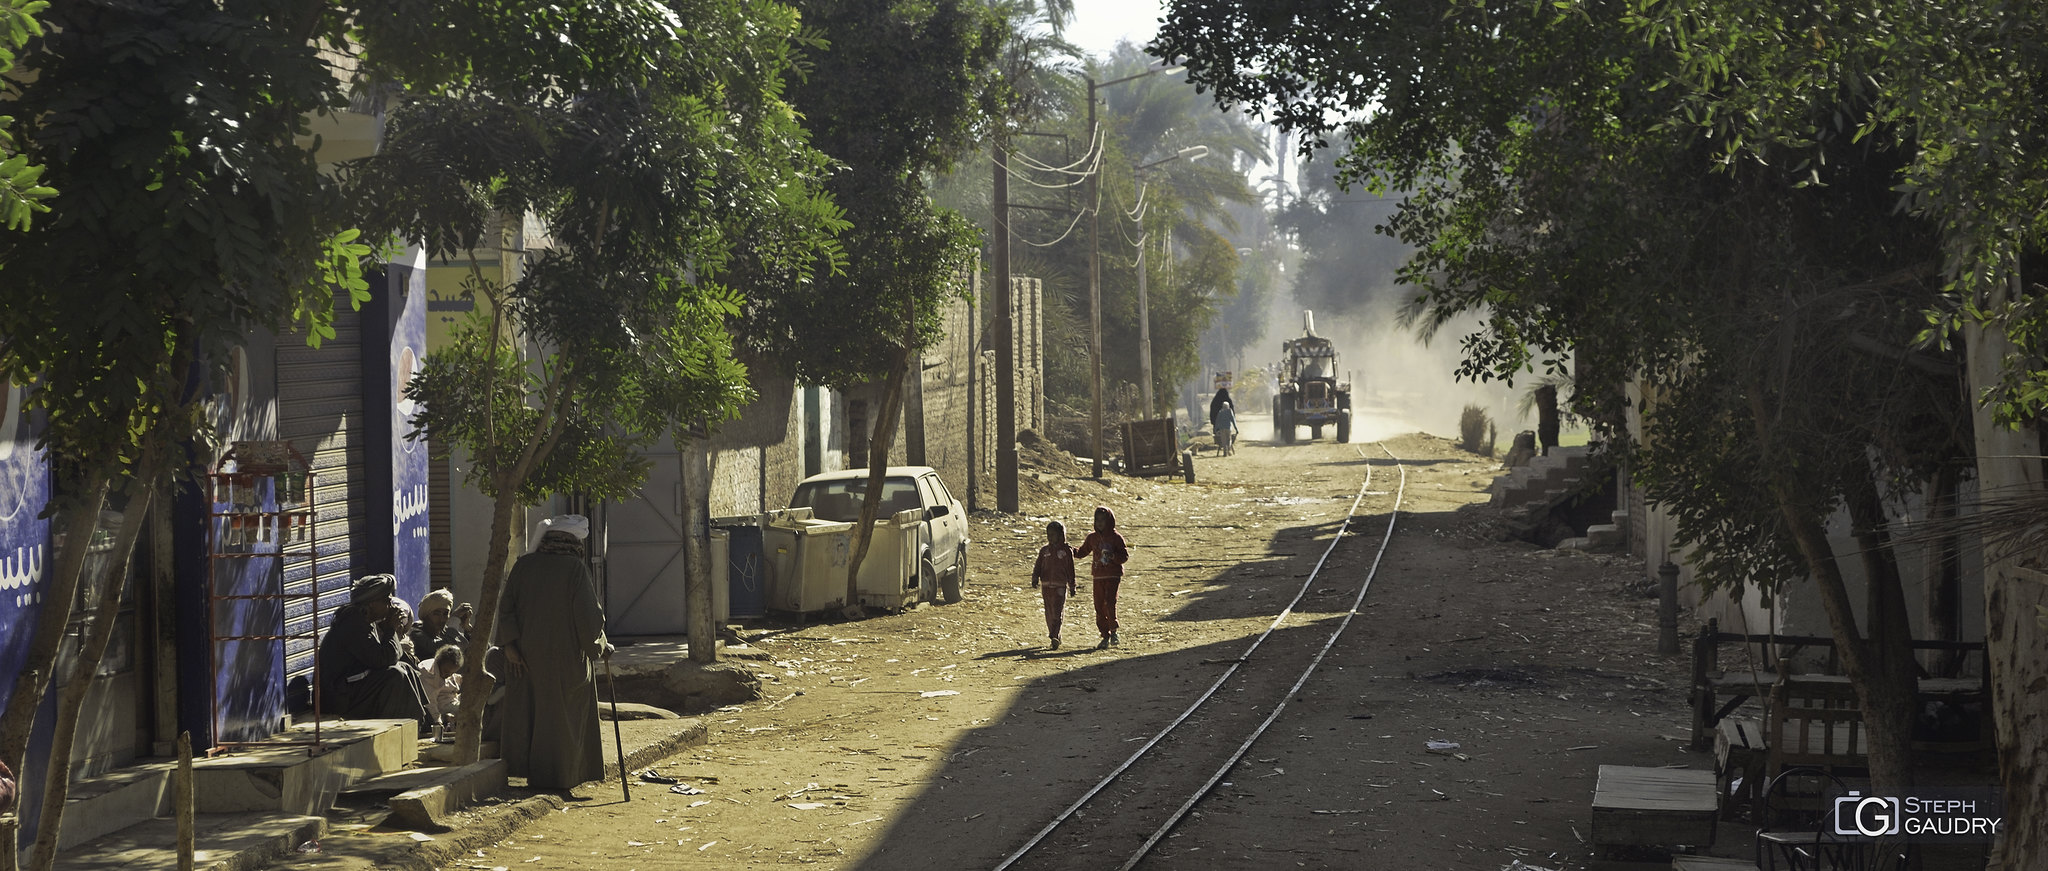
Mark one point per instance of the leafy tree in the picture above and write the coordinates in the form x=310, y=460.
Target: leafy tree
x=1184, y=208
x=1551, y=194
x=1955, y=89
x=895, y=93
x=668, y=167
x=186, y=217
x=19, y=191
x=1348, y=263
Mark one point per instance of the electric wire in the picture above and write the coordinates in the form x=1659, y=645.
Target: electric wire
x=1094, y=143
x=1062, y=237
x=1204, y=698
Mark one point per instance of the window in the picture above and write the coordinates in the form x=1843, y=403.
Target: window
x=840, y=500
x=856, y=433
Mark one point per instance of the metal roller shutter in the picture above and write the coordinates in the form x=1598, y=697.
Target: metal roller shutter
x=320, y=410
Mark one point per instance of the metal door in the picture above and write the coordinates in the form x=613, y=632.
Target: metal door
x=644, y=560
x=320, y=409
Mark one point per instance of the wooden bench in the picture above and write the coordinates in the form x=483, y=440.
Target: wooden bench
x=1716, y=692
x=1815, y=723
x=1653, y=807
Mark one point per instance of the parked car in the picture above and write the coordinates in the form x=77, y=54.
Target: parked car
x=942, y=532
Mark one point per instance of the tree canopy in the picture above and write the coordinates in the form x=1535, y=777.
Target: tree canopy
x=893, y=92
x=670, y=172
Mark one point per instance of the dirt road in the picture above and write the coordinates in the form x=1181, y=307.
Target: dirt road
x=944, y=737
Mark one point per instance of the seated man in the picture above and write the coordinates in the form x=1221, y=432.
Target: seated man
x=362, y=667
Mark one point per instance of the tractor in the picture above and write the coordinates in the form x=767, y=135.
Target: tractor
x=1308, y=392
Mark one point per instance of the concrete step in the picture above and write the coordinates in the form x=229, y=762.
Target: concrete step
x=1606, y=538
x=225, y=842
x=291, y=780
x=98, y=806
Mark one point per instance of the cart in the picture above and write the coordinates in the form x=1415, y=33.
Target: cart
x=1151, y=447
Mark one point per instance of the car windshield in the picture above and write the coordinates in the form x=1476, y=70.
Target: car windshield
x=840, y=500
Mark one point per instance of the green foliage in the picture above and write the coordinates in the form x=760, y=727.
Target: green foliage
x=1954, y=88
x=187, y=214
x=1180, y=208
x=1476, y=431
x=20, y=191
x=1556, y=188
x=666, y=166
x=894, y=92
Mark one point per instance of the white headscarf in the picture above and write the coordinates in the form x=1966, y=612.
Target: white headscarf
x=573, y=524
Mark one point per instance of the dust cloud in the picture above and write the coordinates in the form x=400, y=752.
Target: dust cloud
x=1399, y=384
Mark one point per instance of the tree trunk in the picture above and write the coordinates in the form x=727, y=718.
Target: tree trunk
x=878, y=467
x=476, y=687
x=1943, y=573
x=1888, y=702
x=57, y=783
x=1891, y=685
x=2016, y=649
x=60, y=590
x=697, y=579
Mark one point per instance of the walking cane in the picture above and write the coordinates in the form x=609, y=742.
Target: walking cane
x=612, y=686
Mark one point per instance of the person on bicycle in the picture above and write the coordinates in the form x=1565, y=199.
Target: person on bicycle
x=1226, y=427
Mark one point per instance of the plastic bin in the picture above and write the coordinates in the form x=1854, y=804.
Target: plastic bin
x=746, y=575
x=806, y=561
x=888, y=574
x=721, y=588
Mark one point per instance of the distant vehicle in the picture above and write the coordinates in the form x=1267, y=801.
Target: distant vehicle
x=942, y=534
x=1308, y=393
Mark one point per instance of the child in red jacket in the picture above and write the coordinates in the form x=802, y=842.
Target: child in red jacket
x=1054, y=575
x=1106, y=570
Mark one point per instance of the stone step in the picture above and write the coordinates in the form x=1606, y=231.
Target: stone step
x=108, y=803
x=224, y=842
x=1606, y=538
x=286, y=779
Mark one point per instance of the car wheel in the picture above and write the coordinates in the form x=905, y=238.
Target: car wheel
x=927, y=579
x=950, y=586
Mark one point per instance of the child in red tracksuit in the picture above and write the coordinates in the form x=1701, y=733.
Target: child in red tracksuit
x=1054, y=575
x=1106, y=570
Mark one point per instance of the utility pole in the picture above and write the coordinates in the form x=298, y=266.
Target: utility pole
x=1098, y=144
x=1144, y=331
x=1006, y=355
x=1192, y=153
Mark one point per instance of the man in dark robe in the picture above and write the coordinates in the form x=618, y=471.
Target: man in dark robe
x=441, y=624
x=363, y=672
x=1216, y=404
x=551, y=629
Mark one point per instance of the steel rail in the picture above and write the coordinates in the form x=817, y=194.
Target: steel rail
x=1307, y=583
x=1223, y=771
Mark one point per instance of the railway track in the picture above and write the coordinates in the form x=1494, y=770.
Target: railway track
x=1120, y=819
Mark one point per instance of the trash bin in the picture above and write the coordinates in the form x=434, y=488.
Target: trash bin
x=888, y=574
x=806, y=560
x=721, y=588
x=746, y=566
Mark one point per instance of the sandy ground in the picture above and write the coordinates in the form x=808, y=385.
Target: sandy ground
x=944, y=737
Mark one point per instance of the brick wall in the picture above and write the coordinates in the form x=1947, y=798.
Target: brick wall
x=757, y=460
x=1027, y=330
x=947, y=382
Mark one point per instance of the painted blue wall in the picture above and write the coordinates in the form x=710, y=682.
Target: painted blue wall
x=248, y=680
x=394, y=345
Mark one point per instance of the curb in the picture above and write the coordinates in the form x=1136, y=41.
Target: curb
x=693, y=733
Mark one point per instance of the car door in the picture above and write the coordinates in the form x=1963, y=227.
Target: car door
x=947, y=531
